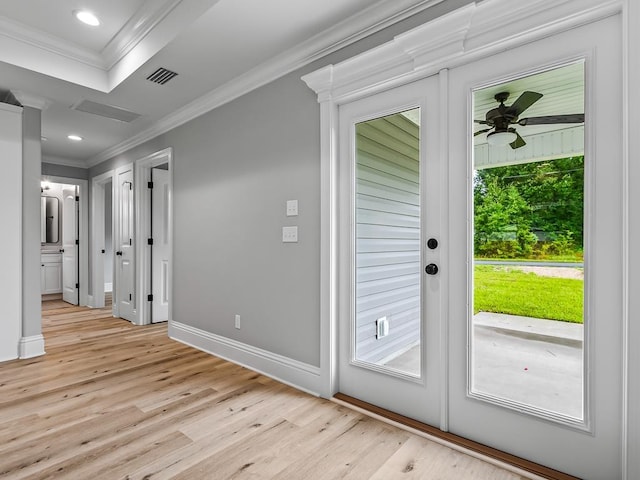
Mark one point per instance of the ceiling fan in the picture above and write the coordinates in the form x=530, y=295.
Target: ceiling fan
x=501, y=118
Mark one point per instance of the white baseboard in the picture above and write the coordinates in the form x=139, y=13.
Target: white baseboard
x=297, y=374
x=32, y=346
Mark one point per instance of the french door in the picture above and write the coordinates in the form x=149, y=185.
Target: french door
x=444, y=218
x=390, y=336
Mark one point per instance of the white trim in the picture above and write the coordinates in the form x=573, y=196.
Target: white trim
x=67, y=162
x=108, y=286
x=297, y=374
x=454, y=39
x=32, y=346
x=142, y=174
x=83, y=218
x=30, y=100
x=135, y=30
x=98, y=235
x=367, y=22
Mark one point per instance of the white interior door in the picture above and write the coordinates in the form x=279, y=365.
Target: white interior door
x=548, y=391
x=70, y=280
x=125, y=297
x=390, y=181
x=160, y=250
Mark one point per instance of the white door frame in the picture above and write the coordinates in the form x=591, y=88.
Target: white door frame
x=142, y=174
x=83, y=218
x=464, y=35
x=97, y=236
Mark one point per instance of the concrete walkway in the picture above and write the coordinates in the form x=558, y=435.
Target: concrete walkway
x=526, y=360
x=529, y=360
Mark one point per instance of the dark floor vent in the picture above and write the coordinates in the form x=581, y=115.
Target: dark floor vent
x=161, y=76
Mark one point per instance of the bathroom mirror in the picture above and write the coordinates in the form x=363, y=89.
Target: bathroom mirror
x=49, y=219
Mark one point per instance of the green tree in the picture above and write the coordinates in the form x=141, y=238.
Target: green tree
x=553, y=192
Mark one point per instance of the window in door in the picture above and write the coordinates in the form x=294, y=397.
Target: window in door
x=528, y=338
x=387, y=243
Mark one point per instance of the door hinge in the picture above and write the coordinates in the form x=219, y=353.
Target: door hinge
x=150, y=241
x=150, y=298
x=77, y=198
x=130, y=242
x=130, y=185
x=77, y=285
x=77, y=242
x=149, y=184
x=129, y=297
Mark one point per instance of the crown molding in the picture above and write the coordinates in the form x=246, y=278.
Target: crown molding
x=370, y=20
x=136, y=29
x=459, y=37
x=29, y=100
x=67, y=162
x=144, y=35
x=24, y=34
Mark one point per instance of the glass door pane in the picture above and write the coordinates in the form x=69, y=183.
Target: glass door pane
x=387, y=328
x=528, y=283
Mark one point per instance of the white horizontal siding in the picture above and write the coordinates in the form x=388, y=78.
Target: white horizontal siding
x=387, y=230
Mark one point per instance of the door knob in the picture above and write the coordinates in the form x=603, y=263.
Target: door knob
x=118, y=253
x=432, y=243
x=103, y=250
x=431, y=269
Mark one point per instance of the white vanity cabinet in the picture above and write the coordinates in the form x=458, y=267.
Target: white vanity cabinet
x=51, y=273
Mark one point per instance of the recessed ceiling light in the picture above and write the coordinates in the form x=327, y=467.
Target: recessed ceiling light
x=75, y=138
x=86, y=17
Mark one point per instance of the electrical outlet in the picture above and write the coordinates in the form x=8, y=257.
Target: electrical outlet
x=289, y=234
x=238, y=322
x=382, y=327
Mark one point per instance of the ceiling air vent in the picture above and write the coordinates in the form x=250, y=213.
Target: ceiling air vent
x=161, y=76
x=107, y=111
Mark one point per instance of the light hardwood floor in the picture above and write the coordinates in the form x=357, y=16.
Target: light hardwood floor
x=113, y=401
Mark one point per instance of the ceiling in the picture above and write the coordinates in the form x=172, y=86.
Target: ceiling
x=563, y=93
x=219, y=48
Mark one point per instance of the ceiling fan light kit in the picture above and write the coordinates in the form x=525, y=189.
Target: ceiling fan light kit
x=499, y=120
x=501, y=139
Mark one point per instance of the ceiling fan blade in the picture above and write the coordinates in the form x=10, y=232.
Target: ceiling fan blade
x=481, y=122
x=523, y=102
x=482, y=131
x=549, y=119
x=518, y=142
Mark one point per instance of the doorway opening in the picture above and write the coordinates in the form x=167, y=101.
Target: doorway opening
x=63, y=233
x=154, y=226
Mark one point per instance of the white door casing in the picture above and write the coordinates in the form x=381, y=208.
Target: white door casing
x=70, y=280
x=161, y=246
x=124, y=289
x=145, y=253
x=466, y=35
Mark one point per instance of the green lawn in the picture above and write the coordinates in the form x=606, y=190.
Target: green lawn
x=506, y=290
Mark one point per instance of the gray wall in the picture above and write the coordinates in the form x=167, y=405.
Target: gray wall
x=64, y=171
x=234, y=169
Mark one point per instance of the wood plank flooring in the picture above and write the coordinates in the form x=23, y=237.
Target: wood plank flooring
x=114, y=401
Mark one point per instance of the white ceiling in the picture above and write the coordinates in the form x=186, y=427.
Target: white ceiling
x=212, y=44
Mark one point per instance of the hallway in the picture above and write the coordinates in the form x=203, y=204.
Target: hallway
x=112, y=401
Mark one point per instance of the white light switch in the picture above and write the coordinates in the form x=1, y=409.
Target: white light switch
x=289, y=234
x=292, y=208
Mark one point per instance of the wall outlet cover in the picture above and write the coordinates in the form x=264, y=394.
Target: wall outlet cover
x=289, y=234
